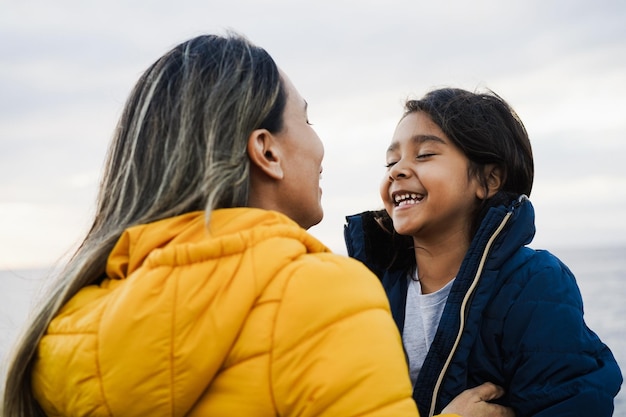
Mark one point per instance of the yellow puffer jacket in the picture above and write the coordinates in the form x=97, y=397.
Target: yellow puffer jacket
x=249, y=317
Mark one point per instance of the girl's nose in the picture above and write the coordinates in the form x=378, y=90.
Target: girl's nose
x=397, y=171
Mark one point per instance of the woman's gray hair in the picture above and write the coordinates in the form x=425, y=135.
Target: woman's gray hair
x=180, y=146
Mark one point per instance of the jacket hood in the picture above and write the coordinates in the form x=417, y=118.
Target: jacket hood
x=150, y=338
x=153, y=243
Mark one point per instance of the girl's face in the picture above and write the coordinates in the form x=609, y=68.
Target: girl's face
x=427, y=190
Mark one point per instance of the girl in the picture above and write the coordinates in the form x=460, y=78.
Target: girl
x=472, y=301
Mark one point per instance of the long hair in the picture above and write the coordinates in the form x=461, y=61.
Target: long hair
x=180, y=146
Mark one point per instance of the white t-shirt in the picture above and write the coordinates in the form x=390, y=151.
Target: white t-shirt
x=421, y=319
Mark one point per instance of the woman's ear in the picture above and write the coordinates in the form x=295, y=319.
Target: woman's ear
x=264, y=153
x=493, y=179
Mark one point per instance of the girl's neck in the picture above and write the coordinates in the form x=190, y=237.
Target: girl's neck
x=437, y=265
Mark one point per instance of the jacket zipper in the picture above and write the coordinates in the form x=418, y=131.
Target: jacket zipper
x=468, y=295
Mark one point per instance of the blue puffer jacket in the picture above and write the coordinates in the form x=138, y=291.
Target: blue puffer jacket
x=514, y=317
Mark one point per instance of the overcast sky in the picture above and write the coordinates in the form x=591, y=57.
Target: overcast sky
x=66, y=68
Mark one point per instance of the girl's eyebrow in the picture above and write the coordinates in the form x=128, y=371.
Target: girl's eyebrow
x=417, y=140
x=427, y=138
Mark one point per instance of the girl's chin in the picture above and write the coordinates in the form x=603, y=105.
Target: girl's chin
x=403, y=229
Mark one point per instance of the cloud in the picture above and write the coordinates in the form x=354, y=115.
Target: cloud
x=67, y=67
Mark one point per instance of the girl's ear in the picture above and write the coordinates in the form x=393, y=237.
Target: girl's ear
x=494, y=178
x=264, y=153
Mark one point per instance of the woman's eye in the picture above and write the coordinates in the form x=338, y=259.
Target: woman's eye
x=424, y=155
x=389, y=164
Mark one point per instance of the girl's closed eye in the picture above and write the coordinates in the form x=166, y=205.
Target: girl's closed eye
x=425, y=155
x=390, y=164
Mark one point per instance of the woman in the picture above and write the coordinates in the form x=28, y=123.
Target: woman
x=197, y=290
